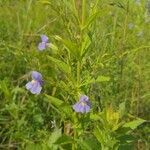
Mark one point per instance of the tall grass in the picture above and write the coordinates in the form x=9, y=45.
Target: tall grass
x=99, y=48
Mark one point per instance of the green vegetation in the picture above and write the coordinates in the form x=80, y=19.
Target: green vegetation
x=99, y=48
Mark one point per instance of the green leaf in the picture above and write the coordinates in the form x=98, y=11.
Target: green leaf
x=64, y=139
x=89, y=143
x=70, y=46
x=126, y=147
x=33, y=146
x=122, y=109
x=85, y=45
x=62, y=66
x=63, y=108
x=18, y=90
x=53, y=138
x=98, y=133
x=54, y=101
x=45, y=2
x=126, y=139
x=94, y=117
x=54, y=48
x=98, y=79
x=134, y=124
x=102, y=79
x=90, y=20
x=66, y=109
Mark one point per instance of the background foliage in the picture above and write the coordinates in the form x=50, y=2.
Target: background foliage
x=99, y=48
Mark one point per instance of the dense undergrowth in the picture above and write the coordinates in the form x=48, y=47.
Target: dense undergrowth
x=98, y=48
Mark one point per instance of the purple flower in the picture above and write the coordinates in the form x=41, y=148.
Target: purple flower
x=35, y=86
x=42, y=45
x=83, y=105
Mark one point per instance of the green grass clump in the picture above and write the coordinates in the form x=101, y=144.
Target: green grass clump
x=99, y=48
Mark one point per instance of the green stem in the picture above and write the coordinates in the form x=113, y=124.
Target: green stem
x=74, y=147
x=83, y=16
x=75, y=11
x=78, y=72
x=75, y=133
x=83, y=11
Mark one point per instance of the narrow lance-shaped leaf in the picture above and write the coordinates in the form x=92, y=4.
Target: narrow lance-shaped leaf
x=70, y=46
x=85, y=45
x=98, y=79
x=54, y=137
x=54, y=101
x=90, y=20
x=102, y=78
x=122, y=109
x=99, y=135
x=61, y=65
x=134, y=124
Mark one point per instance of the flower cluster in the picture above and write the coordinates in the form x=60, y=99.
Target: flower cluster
x=35, y=85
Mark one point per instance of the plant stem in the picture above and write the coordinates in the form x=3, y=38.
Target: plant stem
x=75, y=11
x=78, y=72
x=83, y=11
x=74, y=147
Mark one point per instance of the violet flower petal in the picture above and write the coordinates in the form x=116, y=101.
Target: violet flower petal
x=83, y=106
x=36, y=76
x=84, y=98
x=87, y=108
x=42, y=46
x=44, y=38
x=82, y=109
x=36, y=88
x=28, y=85
x=76, y=107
